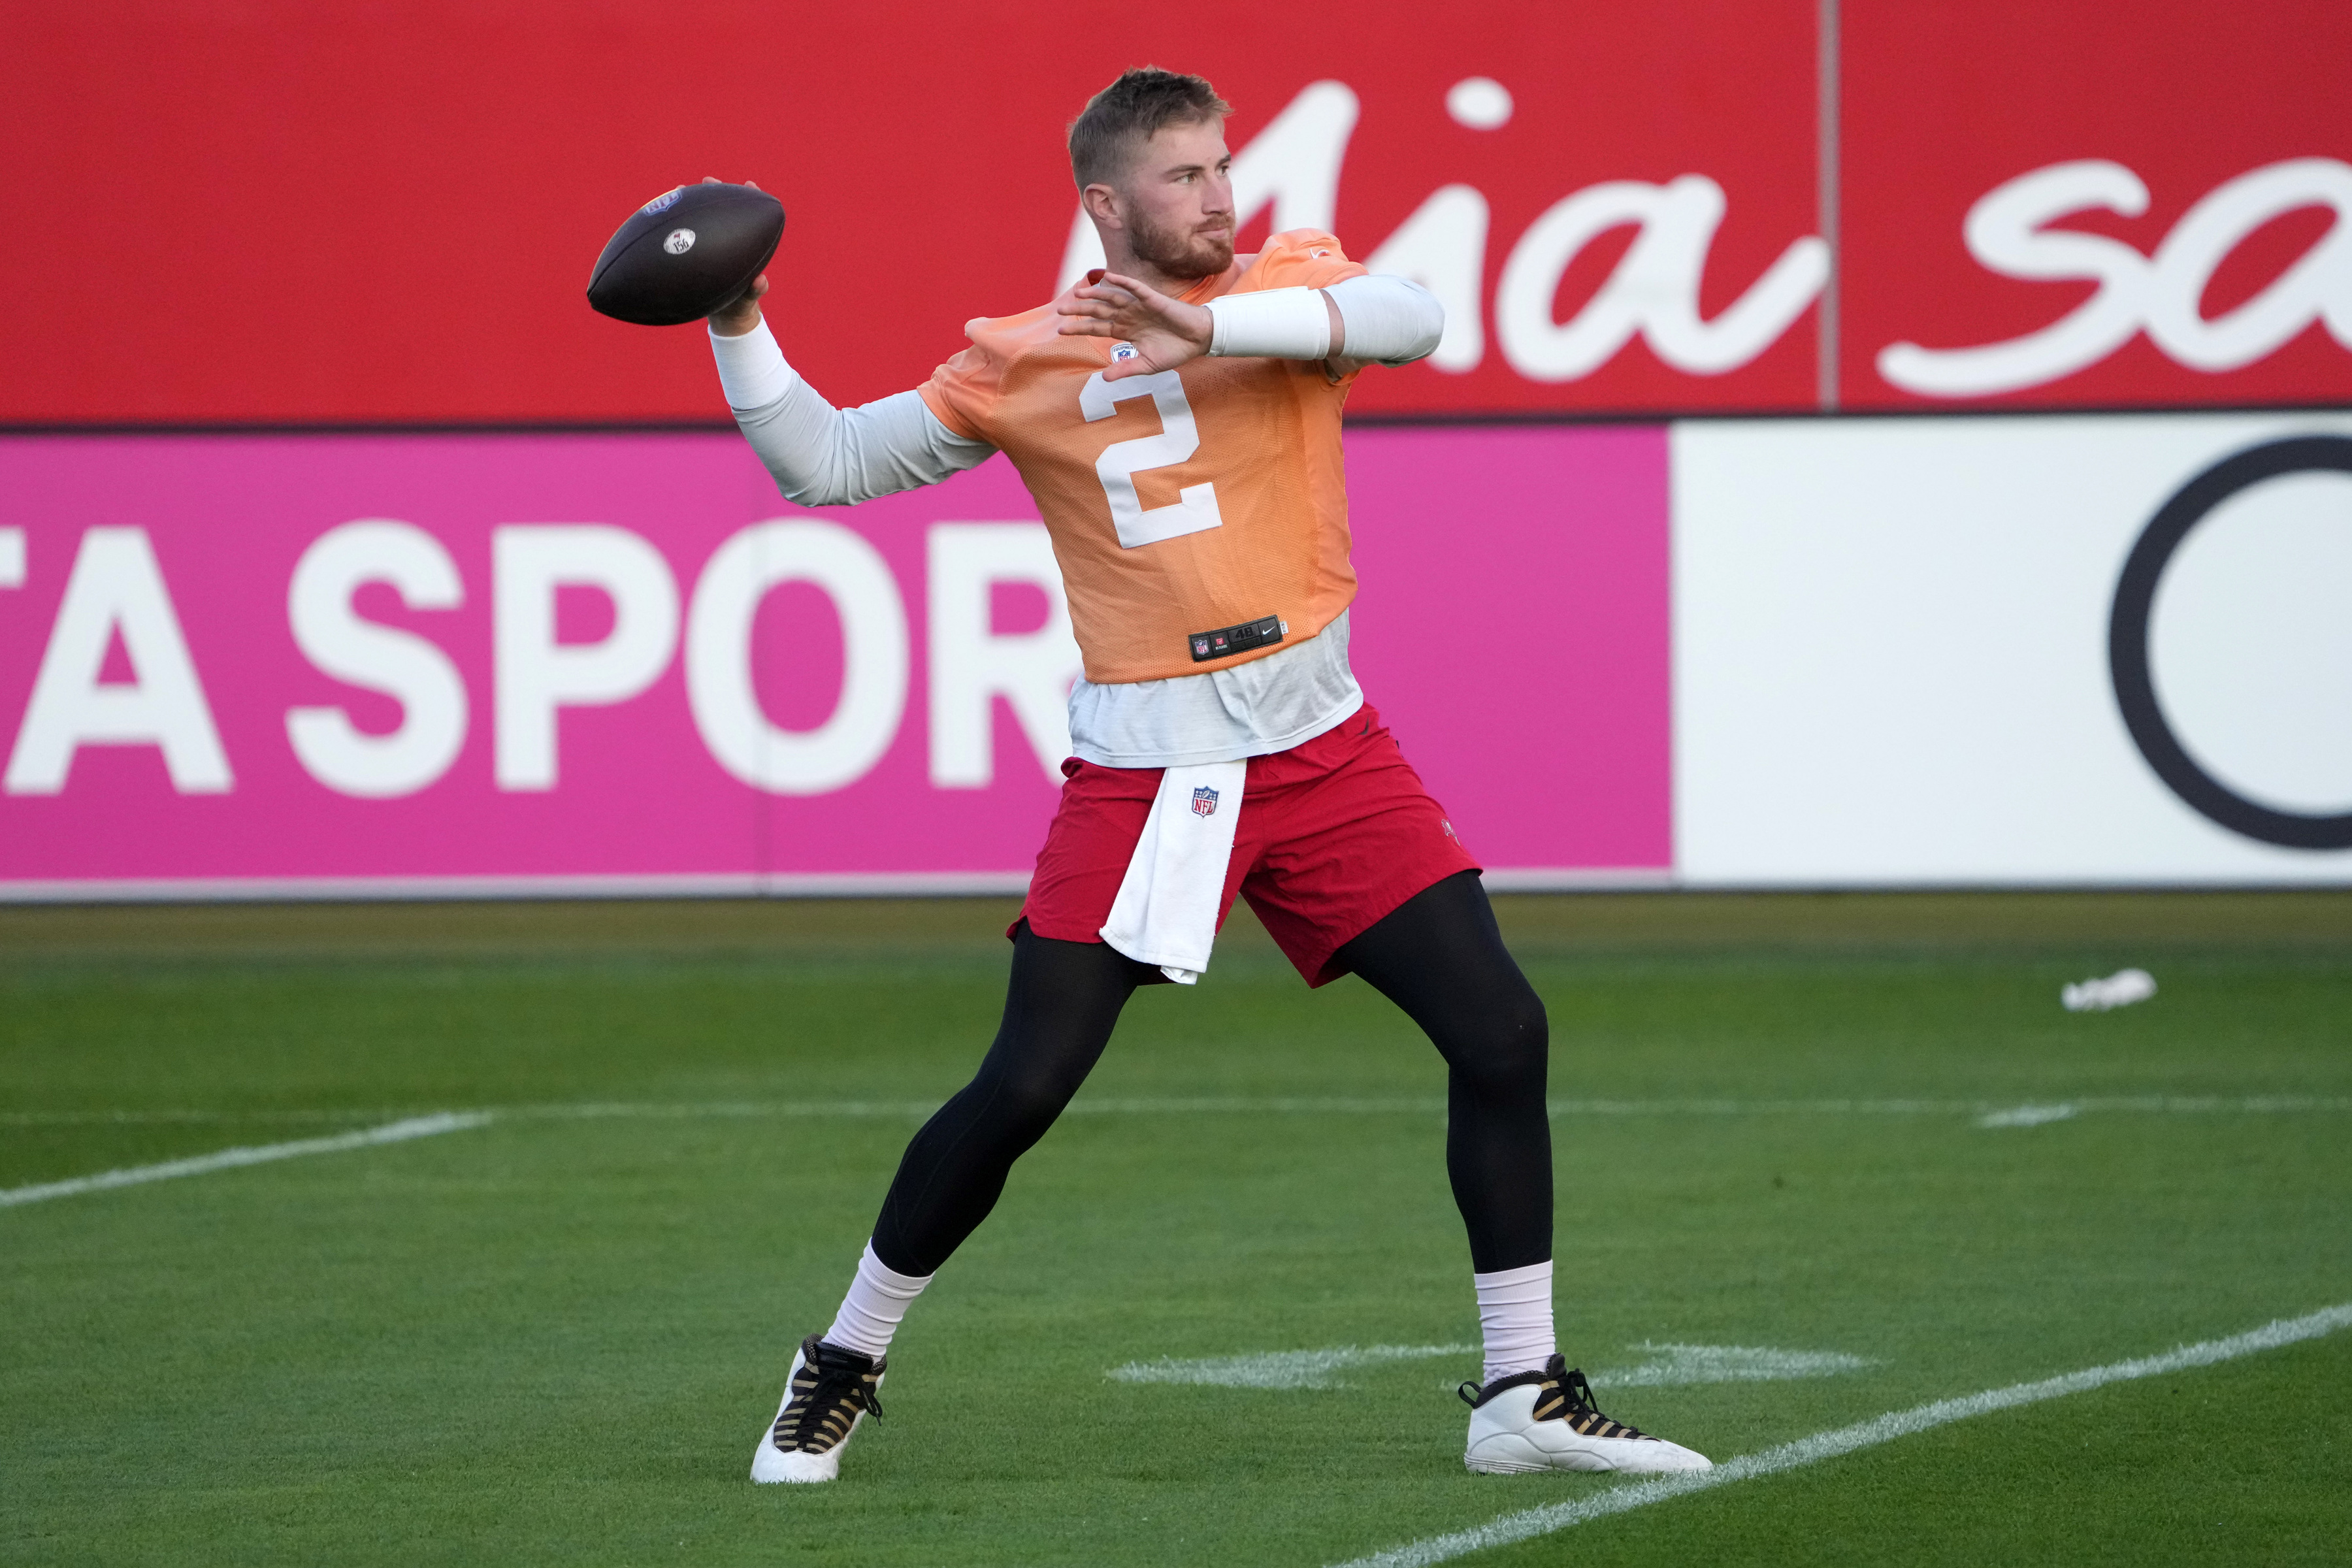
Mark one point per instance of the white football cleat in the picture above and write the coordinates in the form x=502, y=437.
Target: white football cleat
x=829, y=1392
x=1545, y=1421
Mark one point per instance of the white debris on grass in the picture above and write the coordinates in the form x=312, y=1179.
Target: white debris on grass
x=2121, y=989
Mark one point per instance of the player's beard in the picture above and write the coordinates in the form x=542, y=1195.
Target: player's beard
x=1182, y=252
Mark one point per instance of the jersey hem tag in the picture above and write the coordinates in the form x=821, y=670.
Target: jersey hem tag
x=1226, y=641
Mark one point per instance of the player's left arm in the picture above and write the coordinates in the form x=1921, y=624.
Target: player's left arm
x=1369, y=319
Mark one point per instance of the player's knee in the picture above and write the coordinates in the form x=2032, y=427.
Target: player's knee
x=1024, y=1100
x=1509, y=1048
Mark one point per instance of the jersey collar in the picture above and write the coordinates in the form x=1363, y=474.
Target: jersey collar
x=1216, y=284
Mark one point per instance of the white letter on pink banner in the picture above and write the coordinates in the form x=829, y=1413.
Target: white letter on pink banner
x=117, y=586
x=402, y=665
x=719, y=684
x=535, y=674
x=972, y=664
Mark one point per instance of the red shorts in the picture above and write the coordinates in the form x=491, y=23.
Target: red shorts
x=1333, y=835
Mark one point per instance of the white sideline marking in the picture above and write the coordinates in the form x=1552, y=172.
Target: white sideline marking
x=262, y=1154
x=1676, y=1365
x=2173, y=1105
x=2028, y=1116
x=142, y=1118
x=1277, y=1369
x=1534, y=1521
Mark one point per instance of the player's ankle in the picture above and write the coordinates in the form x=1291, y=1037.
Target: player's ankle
x=876, y=1304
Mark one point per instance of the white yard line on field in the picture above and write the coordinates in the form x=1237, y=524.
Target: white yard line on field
x=146, y=1118
x=1534, y=1521
x=1435, y=1105
x=1277, y=1369
x=719, y=1110
x=1987, y=1112
x=2030, y=1115
x=2146, y=1104
x=1673, y=1365
x=1085, y=1106
x=259, y=1154
x=1667, y=1364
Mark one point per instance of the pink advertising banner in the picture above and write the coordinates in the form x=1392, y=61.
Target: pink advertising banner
x=413, y=665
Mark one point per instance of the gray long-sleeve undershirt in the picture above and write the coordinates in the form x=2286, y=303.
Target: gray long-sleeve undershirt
x=823, y=456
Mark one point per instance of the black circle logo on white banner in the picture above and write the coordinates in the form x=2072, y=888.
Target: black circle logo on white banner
x=2127, y=642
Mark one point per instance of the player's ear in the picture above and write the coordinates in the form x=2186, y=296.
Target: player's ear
x=1103, y=204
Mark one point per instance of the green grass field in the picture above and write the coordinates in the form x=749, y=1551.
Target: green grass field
x=554, y=1337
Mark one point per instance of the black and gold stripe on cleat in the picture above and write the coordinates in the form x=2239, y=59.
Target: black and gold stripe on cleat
x=1561, y=1394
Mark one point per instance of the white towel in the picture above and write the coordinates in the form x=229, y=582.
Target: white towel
x=1166, y=911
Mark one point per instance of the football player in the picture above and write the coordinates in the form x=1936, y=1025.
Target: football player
x=1176, y=415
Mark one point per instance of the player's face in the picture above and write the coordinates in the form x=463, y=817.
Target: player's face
x=1178, y=199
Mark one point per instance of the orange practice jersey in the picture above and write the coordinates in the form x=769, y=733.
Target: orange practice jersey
x=1182, y=503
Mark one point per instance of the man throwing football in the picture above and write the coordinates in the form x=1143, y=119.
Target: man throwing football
x=1176, y=416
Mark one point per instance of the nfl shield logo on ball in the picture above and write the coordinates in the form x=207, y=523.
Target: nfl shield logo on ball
x=1204, y=802
x=679, y=242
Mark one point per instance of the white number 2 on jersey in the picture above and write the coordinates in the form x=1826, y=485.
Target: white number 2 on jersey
x=1179, y=438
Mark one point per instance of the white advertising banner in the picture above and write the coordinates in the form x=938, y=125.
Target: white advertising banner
x=2053, y=650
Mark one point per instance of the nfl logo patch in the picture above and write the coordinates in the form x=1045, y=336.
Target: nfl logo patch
x=1204, y=802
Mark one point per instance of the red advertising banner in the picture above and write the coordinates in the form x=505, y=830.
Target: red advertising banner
x=2085, y=205
x=281, y=212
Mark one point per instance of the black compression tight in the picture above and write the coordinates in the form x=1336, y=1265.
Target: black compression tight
x=1059, y=1013
x=1438, y=956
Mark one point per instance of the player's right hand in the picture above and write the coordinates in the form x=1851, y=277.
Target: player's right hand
x=1166, y=332
x=740, y=314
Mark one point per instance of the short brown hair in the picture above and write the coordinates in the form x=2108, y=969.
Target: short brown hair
x=1127, y=113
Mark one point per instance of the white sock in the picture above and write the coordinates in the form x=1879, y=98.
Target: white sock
x=1515, y=1316
x=876, y=1302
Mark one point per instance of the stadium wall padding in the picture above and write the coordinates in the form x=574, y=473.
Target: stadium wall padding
x=1798, y=497
x=1809, y=652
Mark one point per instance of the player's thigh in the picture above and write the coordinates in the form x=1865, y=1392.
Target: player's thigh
x=1087, y=850
x=1442, y=946
x=1441, y=958
x=1350, y=847
x=1060, y=1007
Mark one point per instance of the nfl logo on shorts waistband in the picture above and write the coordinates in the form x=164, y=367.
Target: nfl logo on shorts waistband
x=1204, y=802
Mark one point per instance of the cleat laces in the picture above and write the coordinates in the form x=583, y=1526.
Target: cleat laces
x=831, y=1388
